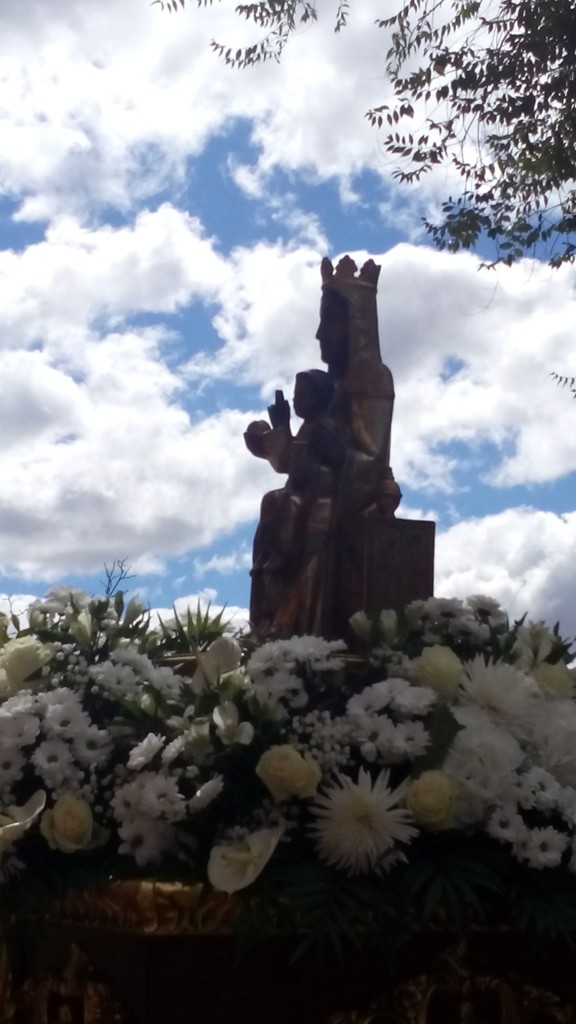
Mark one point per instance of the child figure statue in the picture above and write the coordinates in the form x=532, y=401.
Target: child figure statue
x=293, y=533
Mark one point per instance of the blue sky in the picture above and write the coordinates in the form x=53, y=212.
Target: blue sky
x=162, y=221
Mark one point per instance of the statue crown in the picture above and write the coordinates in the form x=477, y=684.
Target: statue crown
x=346, y=273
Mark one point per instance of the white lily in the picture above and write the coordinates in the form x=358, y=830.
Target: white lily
x=229, y=728
x=222, y=656
x=16, y=820
x=235, y=866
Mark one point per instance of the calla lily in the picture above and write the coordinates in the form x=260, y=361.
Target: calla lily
x=17, y=820
x=222, y=656
x=235, y=866
x=229, y=728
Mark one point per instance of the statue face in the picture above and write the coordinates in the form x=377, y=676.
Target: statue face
x=305, y=402
x=332, y=331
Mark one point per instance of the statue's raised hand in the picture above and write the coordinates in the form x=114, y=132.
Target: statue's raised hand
x=279, y=412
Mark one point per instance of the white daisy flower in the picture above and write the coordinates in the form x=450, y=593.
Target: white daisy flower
x=12, y=765
x=24, y=702
x=205, y=794
x=172, y=750
x=92, y=745
x=143, y=752
x=66, y=719
x=486, y=605
x=506, y=824
x=542, y=847
x=151, y=795
x=146, y=840
x=538, y=789
x=53, y=762
x=358, y=823
x=21, y=729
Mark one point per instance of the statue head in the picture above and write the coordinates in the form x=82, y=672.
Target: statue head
x=313, y=392
x=348, y=331
x=332, y=332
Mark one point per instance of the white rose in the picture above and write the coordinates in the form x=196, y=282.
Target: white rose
x=286, y=773
x=439, y=668
x=431, y=798
x=20, y=659
x=69, y=825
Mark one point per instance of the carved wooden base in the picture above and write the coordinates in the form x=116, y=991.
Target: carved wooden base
x=70, y=995
x=383, y=563
x=142, y=953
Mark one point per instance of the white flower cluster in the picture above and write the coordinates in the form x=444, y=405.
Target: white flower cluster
x=453, y=721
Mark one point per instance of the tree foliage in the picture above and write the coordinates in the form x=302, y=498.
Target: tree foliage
x=484, y=88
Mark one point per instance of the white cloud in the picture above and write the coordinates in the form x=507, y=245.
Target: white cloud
x=105, y=103
x=524, y=557
x=224, y=564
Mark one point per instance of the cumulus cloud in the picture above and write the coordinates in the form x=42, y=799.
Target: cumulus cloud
x=104, y=104
x=523, y=556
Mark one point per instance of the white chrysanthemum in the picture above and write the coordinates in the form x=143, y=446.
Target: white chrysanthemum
x=318, y=654
x=487, y=606
x=117, y=680
x=12, y=765
x=554, y=729
x=53, y=762
x=397, y=694
x=92, y=746
x=537, y=788
x=149, y=795
x=438, y=607
x=21, y=703
x=503, y=693
x=59, y=695
x=541, y=847
x=143, y=752
x=483, y=762
x=358, y=823
x=506, y=824
x=167, y=682
x=18, y=728
x=402, y=742
x=566, y=805
x=281, y=688
x=66, y=719
x=205, y=794
x=173, y=750
x=146, y=840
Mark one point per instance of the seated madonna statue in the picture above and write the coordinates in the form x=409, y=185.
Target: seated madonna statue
x=291, y=545
x=338, y=467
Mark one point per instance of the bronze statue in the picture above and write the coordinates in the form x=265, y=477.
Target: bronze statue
x=340, y=490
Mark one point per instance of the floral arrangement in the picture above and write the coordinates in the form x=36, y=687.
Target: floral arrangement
x=435, y=772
